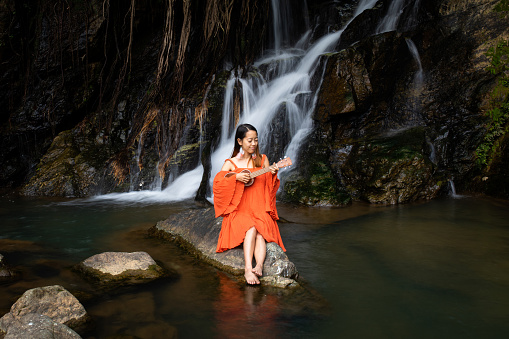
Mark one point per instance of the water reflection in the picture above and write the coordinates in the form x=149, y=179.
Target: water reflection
x=245, y=312
x=436, y=269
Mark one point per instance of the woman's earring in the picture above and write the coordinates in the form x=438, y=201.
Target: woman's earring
x=254, y=156
x=240, y=154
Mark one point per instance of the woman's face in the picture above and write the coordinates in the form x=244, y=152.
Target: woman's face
x=249, y=143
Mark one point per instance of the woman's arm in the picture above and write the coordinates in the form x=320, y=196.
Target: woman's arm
x=273, y=169
x=242, y=177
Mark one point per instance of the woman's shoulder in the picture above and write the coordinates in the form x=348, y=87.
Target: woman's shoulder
x=229, y=165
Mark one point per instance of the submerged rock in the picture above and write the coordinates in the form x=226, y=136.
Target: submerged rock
x=39, y=326
x=5, y=272
x=198, y=230
x=113, y=268
x=54, y=302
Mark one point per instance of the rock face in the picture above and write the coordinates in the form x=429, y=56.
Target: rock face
x=72, y=128
x=198, y=231
x=39, y=326
x=388, y=133
x=54, y=302
x=113, y=268
x=63, y=171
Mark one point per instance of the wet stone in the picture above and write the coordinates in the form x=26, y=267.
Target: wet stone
x=197, y=231
x=54, y=302
x=39, y=326
x=129, y=268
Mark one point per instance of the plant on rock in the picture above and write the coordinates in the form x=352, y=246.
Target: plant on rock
x=499, y=104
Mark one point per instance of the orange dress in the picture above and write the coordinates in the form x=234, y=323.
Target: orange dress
x=243, y=207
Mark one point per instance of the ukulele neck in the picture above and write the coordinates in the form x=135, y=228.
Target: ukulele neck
x=259, y=172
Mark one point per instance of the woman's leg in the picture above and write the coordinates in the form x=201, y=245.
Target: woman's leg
x=259, y=254
x=249, y=247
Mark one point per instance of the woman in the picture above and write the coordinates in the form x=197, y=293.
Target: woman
x=249, y=212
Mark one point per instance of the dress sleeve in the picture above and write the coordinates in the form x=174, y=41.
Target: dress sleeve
x=271, y=187
x=227, y=193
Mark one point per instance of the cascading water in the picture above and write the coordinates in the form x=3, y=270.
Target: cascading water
x=412, y=20
x=390, y=21
x=287, y=96
x=282, y=94
x=452, y=188
x=418, y=78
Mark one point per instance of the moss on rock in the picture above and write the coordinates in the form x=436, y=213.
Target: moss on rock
x=391, y=169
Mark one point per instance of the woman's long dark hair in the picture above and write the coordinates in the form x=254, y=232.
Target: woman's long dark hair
x=241, y=134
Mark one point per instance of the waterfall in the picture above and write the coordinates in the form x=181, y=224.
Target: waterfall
x=412, y=20
x=363, y=6
x=391, y=19
x=453, y=190
x=432, y=155
x=285, y=88
x=279, y=100
x=289, y=92
x=418, y=78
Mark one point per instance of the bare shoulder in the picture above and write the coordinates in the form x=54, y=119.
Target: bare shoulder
x=228, y=166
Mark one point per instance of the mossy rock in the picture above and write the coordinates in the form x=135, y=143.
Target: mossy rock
x=319, y=189
x=391, y=169
x=114, y=269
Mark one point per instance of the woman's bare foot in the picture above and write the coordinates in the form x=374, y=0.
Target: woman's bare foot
x=258, y=270
x=251, y=278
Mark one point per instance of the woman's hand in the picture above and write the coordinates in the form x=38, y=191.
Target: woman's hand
x=243, y=177
x=274, y=169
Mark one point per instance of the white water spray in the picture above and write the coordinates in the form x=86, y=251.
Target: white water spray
x=285, y=88
x=289, y=90
x=418, y=78
x=390, y=21
x=453, y=190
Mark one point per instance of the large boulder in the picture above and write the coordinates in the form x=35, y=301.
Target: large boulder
x=39, y=326
x=54, y=302
x=197, y=231
x=124, y=268
x=391, y=169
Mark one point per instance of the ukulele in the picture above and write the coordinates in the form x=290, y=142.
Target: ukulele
x=282, y=163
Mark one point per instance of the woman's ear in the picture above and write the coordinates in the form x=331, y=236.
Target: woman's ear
x=239, y=141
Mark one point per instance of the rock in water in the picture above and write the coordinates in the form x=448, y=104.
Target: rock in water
x=54, y=302
x=5, y=272
x=122, y=267
x=197, y=230
x=39, y=326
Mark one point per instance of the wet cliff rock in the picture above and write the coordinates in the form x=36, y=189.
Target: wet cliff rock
x=394, y=133
x=128, y=83
x=109, y=107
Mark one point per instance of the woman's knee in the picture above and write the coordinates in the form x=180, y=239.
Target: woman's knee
x=252, y=231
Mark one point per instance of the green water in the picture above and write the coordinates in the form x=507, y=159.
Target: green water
x=433, y=270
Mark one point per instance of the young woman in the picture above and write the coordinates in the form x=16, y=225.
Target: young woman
x=249, y=212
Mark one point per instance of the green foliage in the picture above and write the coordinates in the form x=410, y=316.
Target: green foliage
x=499, y=112
x=502, y=7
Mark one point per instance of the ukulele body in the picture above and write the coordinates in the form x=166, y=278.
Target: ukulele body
x=249, y=183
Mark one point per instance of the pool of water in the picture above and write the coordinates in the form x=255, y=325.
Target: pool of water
x=435, y=269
